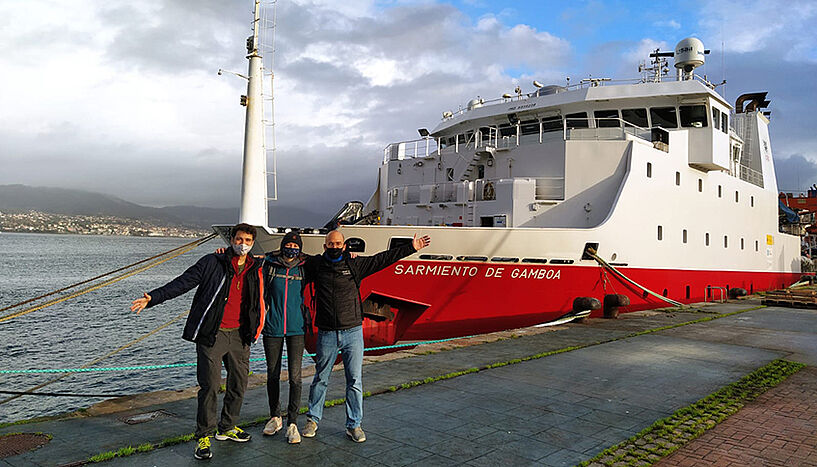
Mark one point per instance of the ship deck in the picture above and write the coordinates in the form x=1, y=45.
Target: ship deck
x=580, y=389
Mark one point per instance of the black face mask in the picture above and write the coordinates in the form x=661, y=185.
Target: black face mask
x=334, y=253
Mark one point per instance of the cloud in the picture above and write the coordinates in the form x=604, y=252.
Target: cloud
x=747, y=27
x=795, y=174
x=126, y=100
x=671, y=24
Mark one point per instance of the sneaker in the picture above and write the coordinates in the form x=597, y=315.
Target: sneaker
x=356, y=434
x=293, y=437
x=236, y=434
x=310, y=429
x=273, y=426
x=203, y=448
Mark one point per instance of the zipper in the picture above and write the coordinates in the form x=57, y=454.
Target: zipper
x=286, y=290
x=204, y=315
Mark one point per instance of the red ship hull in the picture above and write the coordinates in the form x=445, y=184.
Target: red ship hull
x=433, y=300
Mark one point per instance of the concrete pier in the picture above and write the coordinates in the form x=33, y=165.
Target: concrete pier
x=614, y=379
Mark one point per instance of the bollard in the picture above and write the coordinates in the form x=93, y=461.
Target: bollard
x=612, y=302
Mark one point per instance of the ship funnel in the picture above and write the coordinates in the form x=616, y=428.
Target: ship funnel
x=689, y=54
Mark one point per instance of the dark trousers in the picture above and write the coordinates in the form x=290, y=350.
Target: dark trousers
x=229, y=349
x=273, y=347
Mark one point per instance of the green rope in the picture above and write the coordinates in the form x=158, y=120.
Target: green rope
x=181, y=365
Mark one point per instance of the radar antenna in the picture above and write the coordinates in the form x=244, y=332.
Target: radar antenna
x=656, y=69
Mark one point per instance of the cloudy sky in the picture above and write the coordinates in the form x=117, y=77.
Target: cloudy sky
x=122, y=97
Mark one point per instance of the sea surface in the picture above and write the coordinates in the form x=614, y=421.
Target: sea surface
x=75, y=332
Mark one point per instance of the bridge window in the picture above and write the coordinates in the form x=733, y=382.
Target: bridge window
x=693, y=116
x=606, y=118
x=530, y=127
x=449, y=174
x=552, y=124
x=637, y=117
x=664, y=117
x=577, y=120
x=725, y=122
x=506, y=129
x=716, y=118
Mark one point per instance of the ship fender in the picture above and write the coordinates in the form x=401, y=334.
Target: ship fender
x=612, y=303
x=737, y=292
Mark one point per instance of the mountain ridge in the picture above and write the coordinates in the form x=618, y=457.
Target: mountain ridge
x=19, y=198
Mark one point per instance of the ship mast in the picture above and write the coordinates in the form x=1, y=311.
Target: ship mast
x=254, y=176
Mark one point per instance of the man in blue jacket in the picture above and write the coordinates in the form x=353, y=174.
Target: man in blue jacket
x=226, y=316
x=286, y=321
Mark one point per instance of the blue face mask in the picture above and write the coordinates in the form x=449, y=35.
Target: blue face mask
x=290, y=252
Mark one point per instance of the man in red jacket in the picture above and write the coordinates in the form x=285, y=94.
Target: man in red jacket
x=226, y=316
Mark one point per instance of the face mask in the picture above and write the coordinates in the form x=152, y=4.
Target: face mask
x=334, y=253
x=290, y=252
x=242, y=249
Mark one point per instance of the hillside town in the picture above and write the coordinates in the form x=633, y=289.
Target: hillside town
x=41, y=222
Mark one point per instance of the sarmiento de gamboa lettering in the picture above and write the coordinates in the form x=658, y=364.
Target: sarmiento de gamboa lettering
x=450, y=270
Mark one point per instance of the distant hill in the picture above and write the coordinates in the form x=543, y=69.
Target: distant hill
x=23, y=198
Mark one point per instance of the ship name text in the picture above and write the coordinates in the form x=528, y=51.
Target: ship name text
x=473, y=271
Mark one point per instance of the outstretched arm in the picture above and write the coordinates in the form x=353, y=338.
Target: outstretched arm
x=182, y=284
x=368, y=265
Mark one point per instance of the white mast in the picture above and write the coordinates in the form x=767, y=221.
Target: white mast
x=254, y=176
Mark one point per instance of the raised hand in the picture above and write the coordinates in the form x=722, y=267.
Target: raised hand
x=422, y=242
x=140, y=303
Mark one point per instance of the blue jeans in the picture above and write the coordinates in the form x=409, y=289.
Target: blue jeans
x=350, y=344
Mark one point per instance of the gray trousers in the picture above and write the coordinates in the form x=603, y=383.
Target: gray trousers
x=229, y=349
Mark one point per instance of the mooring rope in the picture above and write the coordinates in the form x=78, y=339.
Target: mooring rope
x=94, y=361
x=84, y=368
x=198, y=242
x=173, y=254
x=618, y=273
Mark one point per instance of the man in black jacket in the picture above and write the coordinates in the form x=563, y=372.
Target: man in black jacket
x=226, y=316
x=339, y=318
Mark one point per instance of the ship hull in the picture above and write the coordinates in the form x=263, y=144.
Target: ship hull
x=419, y=299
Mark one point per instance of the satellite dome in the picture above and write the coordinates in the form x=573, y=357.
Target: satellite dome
x=689, y=54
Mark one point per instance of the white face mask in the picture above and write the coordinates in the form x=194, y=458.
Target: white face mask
x=242, y=249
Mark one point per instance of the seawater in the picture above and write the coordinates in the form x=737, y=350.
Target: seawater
x=75, y=332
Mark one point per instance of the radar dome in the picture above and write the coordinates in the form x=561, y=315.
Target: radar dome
x=689, y=54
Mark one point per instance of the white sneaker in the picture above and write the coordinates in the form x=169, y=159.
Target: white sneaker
x=293, y=437
x=273, y=426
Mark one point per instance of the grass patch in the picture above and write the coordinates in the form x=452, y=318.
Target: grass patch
x=669, y=434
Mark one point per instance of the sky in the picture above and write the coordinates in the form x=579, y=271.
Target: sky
x=123, y=97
